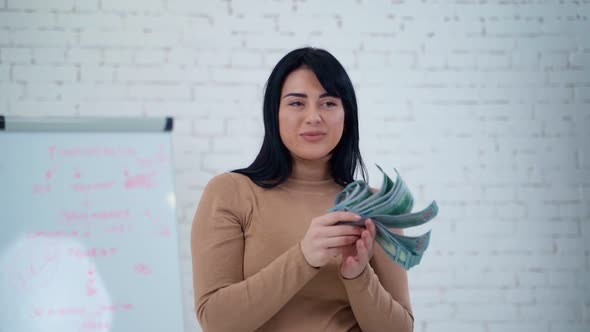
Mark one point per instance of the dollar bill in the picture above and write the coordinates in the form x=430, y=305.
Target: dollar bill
x=390, y=207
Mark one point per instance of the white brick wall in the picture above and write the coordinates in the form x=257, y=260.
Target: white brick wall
x=481, y=105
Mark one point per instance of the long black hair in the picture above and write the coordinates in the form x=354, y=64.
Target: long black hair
x=273, y=165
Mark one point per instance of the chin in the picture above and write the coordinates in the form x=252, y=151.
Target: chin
x=313, y=155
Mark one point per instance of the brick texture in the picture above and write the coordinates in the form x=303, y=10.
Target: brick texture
x=483, y=106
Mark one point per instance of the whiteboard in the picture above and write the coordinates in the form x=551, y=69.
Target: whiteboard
x=88, y=238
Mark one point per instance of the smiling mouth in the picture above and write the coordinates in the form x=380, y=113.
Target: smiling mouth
x=313, y=136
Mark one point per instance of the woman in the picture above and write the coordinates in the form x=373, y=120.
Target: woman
x=266, y=255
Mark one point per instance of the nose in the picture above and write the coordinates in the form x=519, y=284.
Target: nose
x=313, y=116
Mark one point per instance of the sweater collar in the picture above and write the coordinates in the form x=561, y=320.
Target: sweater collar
x=312, y=186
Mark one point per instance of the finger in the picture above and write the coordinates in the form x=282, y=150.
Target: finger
x=362, y=253
x=350, y=260
x=338, y=241
x=334, y=217
x=370, y=224
x=341, y=230
x=360, y=222
x=367, y=240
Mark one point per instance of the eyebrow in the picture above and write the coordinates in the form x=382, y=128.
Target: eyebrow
x=303, y=95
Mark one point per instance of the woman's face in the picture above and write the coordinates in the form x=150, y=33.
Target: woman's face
x=310, y=121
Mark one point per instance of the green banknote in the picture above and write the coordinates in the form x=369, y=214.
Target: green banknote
x=390, y=207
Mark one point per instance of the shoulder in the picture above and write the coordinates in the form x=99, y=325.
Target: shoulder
x=227, y=178
x=220, y=182
x=229, y=193
x=229, y=182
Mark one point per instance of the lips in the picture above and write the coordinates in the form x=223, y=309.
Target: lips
x=313, y=135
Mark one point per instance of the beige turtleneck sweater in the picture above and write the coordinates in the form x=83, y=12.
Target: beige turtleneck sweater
x=249, y=272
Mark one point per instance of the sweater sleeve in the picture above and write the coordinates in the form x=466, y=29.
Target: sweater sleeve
x=224, y=300
x=379, y=296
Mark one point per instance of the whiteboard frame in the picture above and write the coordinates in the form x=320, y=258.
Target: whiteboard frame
x=85, y=124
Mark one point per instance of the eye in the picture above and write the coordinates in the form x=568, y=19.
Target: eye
x=329, y=104
x=296, y=103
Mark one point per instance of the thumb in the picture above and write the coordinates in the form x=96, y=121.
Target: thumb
x=334, y=217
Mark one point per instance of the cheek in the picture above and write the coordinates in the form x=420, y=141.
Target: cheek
x=286, y=126
x=337, y=123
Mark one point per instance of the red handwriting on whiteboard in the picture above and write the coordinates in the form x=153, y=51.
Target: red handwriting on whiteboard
x=90, y=289
x=63, y=311
x=33, y=265
x=128, y=306
x=51, y=151
x=110, y=214
x=49, y=174
x=110, y=307
x=142, y=269
x=41, y=188
x=79, y=218
x=53, y=234
x=116, y=307
x=159, y=158
x=92, y=252
x=79, y=187
x=139, y=180
x=120, y=228
x=162, y=229
x=71, y=216
x=80, y=311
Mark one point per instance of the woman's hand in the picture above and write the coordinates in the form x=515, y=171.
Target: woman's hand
x=357, y=255
x=325, y=240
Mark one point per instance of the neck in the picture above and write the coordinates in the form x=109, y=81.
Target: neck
x=311, y=170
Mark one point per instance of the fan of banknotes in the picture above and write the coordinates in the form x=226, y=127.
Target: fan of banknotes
x=390, y=207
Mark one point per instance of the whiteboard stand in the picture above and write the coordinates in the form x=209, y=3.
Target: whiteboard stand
x=89, y=239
